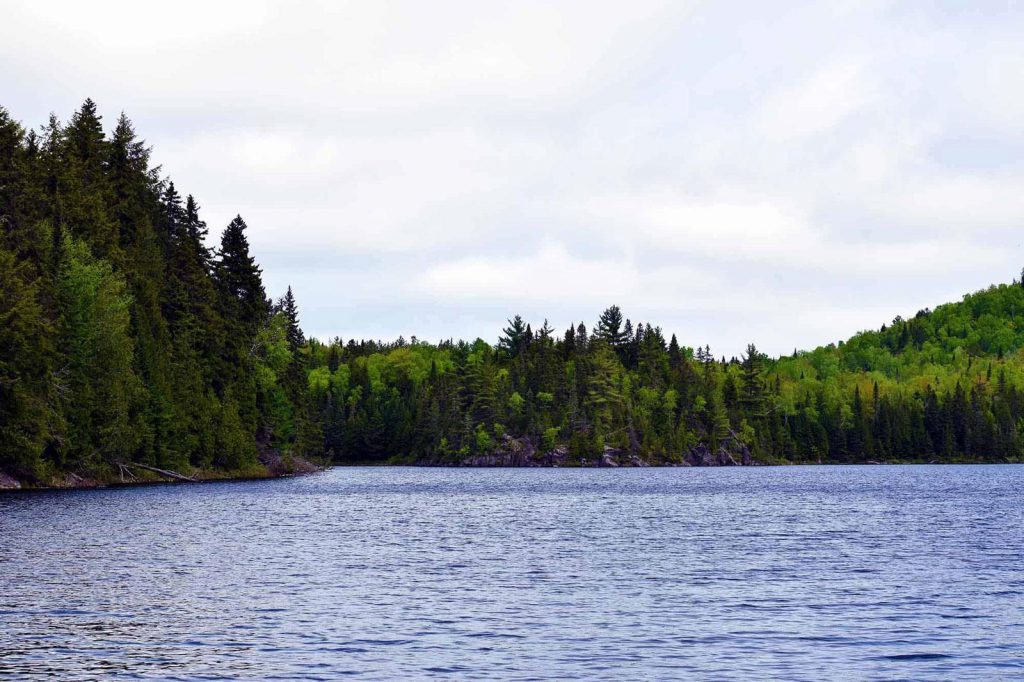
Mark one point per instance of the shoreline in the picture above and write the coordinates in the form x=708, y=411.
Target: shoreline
x=270, y=469
x=9, y=484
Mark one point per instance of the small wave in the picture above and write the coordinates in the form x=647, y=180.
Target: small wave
x=496, y=635
x=915, y=657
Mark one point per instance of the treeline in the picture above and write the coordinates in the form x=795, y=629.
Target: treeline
x=123, y=338
x=944, y=386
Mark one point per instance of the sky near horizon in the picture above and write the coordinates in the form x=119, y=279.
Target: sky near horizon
x=783, y=173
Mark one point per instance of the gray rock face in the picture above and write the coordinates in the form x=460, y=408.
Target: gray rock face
x=609, y=458
x=523, y=452
x=732, y=453
x=517, y=452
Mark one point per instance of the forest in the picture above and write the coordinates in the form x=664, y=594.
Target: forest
x=129, y=338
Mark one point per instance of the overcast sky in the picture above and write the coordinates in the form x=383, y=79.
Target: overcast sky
x=783, y=173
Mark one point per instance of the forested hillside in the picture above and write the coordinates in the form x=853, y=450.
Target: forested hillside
x=944, y=385
x=125, y=340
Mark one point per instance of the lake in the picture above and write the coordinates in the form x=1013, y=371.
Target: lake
x=514, y=574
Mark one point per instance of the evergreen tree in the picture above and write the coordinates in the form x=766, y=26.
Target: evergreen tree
x=240, y=280
x=296, y=339
x=582, y=340
x=27, y=387
x=609, y=327
x=84, y=186
x=753, y=398
x=124, y=340
x=513, y=339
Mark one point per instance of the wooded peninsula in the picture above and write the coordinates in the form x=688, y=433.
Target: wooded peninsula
x=131, y=350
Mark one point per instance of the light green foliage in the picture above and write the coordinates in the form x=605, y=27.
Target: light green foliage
x=272, y=345
x=661, y=400
x=484, y=442
x=95, y=337
x=550, y=439
x=319, y=381
x=123, y=338
x=273, y=360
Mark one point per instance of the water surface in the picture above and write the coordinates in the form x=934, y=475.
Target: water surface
x=796, y=572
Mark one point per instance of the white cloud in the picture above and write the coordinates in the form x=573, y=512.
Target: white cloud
x=773, y=237
x=818, y=104
x=734, y=172
x=553, y=272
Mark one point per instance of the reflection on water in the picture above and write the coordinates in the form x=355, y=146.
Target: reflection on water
x=798, y=572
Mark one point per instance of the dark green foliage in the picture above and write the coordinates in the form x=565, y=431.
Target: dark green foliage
x=514, y=337
x=124, y=339
x=913, y=391
x=609, y=327
x=121, y=339
x=293, y=333
x=27, y=381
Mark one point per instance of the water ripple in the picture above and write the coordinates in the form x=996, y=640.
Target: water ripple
x=794, y=573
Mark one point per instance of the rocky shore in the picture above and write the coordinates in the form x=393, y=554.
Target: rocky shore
x=511, y=452
x=522, y=452
x=271, y=464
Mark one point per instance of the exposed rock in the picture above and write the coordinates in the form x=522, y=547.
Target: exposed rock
x=555, y=457
x=523, y=452
x=9, y=482
x=279, y=464
x=512, y=452
x=732, y=452
x=700, y=456
x=616, y=457
x=73, y=480
x=291, y=465
x=723, y=458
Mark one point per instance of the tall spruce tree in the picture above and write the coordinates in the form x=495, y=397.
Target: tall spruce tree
x=296, y=339
x=240, y=282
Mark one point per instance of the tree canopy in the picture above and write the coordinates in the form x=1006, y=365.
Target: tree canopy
x=125, y=338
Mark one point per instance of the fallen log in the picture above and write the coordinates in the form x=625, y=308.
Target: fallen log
x=125, y=470
x=164, y=472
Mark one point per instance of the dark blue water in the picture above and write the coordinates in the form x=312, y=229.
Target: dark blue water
x=796, y=573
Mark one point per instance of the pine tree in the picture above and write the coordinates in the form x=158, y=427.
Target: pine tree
x=513, y=338
x=609, y=327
